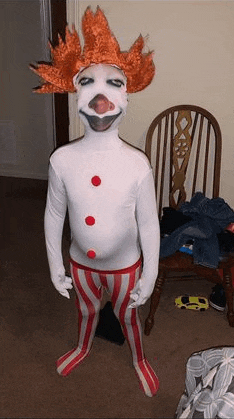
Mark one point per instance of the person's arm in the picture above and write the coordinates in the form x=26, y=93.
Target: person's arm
x=55, y=212
x=149, y=233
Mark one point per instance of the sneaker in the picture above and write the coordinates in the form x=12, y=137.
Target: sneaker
x=217, y=298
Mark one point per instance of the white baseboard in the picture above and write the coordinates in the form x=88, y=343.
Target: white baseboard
x=19, y=174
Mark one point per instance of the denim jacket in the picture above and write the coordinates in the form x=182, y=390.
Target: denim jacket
x=209, y=217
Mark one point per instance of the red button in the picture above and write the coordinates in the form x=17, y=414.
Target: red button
x=96, y=181
x=90, y=221
x=91, y=254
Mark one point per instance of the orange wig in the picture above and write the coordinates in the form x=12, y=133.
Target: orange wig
x=100, y=46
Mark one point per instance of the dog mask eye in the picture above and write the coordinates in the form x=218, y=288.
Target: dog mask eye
x=85, y=80
x=115, y=82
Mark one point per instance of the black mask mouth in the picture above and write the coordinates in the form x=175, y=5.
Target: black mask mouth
x=100, y=124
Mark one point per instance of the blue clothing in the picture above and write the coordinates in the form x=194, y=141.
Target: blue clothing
x=209, y=217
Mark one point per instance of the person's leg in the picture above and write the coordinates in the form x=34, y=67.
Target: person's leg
x=89, y=293
x=120, y=286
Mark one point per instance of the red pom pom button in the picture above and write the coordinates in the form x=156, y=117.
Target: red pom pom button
x=96, y=181
x=91, y=254
x=90, y=221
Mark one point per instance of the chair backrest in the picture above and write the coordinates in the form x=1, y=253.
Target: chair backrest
x=183, y=144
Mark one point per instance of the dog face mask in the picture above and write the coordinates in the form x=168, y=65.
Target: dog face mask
x=102, y=96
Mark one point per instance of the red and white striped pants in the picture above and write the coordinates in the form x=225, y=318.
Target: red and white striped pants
x=89, y=284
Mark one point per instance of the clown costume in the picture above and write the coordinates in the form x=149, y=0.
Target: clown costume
x=107, y=187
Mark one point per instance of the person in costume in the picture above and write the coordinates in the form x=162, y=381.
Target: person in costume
x=107, y=186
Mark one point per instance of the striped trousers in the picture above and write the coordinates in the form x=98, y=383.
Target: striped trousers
x=89, y=284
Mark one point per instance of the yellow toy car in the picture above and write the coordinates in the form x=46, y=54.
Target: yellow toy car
x=192, y=303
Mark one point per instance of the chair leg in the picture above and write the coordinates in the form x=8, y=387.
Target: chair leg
x=227, y=282
x=155, y=297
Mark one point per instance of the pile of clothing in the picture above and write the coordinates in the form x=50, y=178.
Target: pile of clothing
x=202, y=227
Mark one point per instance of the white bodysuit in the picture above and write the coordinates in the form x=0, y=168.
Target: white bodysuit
x=116, y=219
x=108, y=188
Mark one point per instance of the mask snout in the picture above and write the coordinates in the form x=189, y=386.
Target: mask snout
x=100, y=104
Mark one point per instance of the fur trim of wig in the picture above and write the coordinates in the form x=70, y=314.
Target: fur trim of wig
x=100, y=46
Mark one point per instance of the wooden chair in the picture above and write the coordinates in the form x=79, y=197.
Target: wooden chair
x=184, y=144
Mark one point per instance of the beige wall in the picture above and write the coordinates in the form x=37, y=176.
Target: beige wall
x=26, y=134
x=194, y=56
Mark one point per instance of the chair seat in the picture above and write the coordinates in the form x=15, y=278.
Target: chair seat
x=227, y=262
x=182, y=262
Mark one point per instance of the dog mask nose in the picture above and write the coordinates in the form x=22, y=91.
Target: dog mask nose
x=100, y=104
